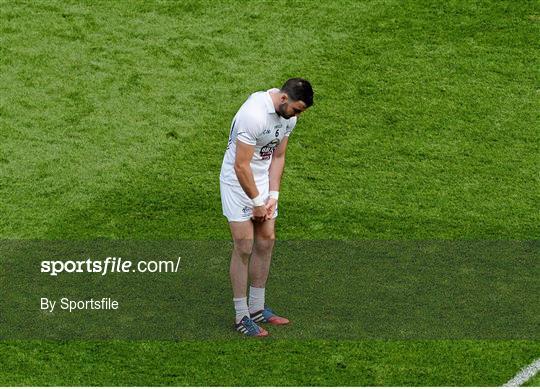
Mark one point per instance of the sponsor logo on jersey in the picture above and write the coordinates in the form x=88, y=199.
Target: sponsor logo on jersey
x=267, y=150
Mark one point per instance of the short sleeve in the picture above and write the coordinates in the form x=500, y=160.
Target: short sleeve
x=249, y=128
x=290, y=126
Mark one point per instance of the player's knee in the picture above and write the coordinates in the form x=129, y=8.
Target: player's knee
x=265, y=242
x=269, y=236
x=243, y=248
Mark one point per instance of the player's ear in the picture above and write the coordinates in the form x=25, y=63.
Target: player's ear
x=284, y=98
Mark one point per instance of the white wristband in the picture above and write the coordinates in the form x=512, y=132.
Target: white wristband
x=274, y=194
x=258, y=201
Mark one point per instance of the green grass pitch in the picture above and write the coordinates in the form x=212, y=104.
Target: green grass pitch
x=114, y=117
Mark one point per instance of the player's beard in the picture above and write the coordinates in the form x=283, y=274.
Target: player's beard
x=282, y=111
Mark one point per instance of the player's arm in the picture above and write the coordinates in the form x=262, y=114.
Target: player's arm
x=277, y=165
x=242, y=168
x=278, y=158
x=276, y=171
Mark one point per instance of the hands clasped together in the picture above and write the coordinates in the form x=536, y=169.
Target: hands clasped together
x=264, y=212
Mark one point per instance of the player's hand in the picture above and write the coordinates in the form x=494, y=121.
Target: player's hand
x=259, y=214
x=270, y=205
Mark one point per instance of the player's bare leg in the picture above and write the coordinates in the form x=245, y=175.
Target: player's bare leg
x=261, y=255
x=242, y=234
x=259, y=268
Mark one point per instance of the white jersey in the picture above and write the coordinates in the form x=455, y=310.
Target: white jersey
x=256, y=123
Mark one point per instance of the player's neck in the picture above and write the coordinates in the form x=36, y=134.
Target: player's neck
x=276, y=97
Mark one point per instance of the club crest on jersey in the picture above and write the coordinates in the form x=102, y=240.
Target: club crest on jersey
x=267, y=150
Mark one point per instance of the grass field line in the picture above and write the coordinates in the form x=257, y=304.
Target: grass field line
x=525, y=374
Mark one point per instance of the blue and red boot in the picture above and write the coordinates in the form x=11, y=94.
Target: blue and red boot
x=268, y=316
x=248, y=327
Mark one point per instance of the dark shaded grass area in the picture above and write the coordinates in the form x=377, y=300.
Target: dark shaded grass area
x=114, y=118
x=358, y=290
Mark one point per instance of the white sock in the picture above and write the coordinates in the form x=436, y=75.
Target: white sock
x=256, y=299
x=241, y=308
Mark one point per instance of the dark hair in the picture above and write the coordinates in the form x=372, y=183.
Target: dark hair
x=298, y=89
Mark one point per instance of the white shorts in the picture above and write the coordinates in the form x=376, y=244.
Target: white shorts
x=237, y=206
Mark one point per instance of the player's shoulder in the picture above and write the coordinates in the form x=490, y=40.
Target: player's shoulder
x=257, y=101
x=292, y=121
x=254, y=108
